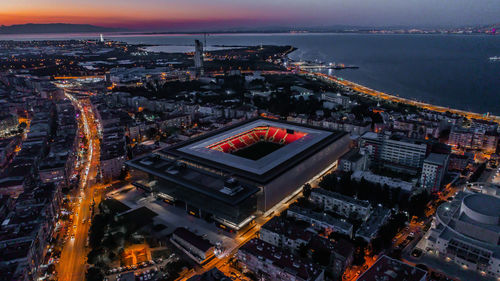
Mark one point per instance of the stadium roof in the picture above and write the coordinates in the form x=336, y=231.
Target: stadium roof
x=261, y=170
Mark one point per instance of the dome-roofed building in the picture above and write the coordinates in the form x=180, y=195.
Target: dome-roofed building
x=467, y=232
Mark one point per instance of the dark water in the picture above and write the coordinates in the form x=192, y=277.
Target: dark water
x=448, y=70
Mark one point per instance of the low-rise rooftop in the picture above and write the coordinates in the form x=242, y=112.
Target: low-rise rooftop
x=388, y=269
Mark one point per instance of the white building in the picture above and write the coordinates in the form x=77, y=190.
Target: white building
x=433, y=170
x=395, y=152
x=332, y=99
x=340, y=204
x=321, y=221
x=353, y=161
x=390, y=182
x=466, y=231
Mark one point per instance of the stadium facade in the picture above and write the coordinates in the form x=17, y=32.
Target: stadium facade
x=241, y=171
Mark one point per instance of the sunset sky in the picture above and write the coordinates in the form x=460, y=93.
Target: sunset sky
x=192, y=14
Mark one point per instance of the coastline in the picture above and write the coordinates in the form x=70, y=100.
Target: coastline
x=383, y=96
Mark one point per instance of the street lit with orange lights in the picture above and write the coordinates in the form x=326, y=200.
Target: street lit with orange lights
x=72, y=264
x=223, y=262
x=391, y=98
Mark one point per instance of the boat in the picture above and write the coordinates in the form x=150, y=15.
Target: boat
x=495, y=58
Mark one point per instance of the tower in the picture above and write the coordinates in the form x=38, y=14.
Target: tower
x=198, y=56
x=101, y=39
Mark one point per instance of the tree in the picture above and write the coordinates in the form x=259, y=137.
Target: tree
x=303, y=250
x=417, y=203
x=110, y=243
x=94, y=274
x=22, y=126
x=94, y=255
x=321, y=256
x=329, y=182
x=51, y=269
x=307, y=190
x=97, y=230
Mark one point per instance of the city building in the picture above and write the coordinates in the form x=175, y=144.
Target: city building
x=341, y=254
x=331, y=100
x=242, y=170
x=479, y=138
x=196, y=247
x=433, y=171
x=198, y=56
x=353, y=161
x=345, y=206
x=389, y=269
x=458, y=162
x=321, y=221
x=8, y=123
x=383, y=180
x=466, y=231
x=26, y=231
x=353, y=127
x=368, y=230
x=395, y=152
x=284, y=233
x=273, y=263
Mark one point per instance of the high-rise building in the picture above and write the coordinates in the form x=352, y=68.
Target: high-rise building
x=433, y=170
x=394, y=152
x=198, y=56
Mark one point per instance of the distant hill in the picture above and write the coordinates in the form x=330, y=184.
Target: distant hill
x=33, y=28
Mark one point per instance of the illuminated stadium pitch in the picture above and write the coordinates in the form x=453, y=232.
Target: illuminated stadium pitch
x=234, y=146
x=257, y=142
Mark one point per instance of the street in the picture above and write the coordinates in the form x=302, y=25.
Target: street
x=72, y=264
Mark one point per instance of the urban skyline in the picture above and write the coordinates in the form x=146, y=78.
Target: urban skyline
x=249, y=156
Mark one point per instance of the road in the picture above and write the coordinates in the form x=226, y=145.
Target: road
x=221, y=262
x=72, y=264
x=396, y=99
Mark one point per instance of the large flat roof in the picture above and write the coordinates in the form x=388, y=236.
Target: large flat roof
x=261, y=170
x=264, y=164
x=190, y=177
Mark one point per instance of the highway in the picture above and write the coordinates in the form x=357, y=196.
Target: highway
x=72, y=264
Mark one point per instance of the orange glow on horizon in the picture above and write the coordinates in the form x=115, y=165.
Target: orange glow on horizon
x=124, y=14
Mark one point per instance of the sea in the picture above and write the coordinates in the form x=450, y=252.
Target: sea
x=447, y=70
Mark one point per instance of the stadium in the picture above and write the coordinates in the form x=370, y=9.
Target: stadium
x=257, y=142
x=241, y=171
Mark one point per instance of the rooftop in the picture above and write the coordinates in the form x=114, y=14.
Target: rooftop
x=352, y=155
x=264, y=169
x=389, y=269
x=282, y=259
x=191, y=177
x=438, y=159
x=484, y=204
x=288, y=228
x=341, y=197
x=193, y=239
x=323, y=217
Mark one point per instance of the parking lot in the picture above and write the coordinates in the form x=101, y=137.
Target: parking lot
x=149, y=270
